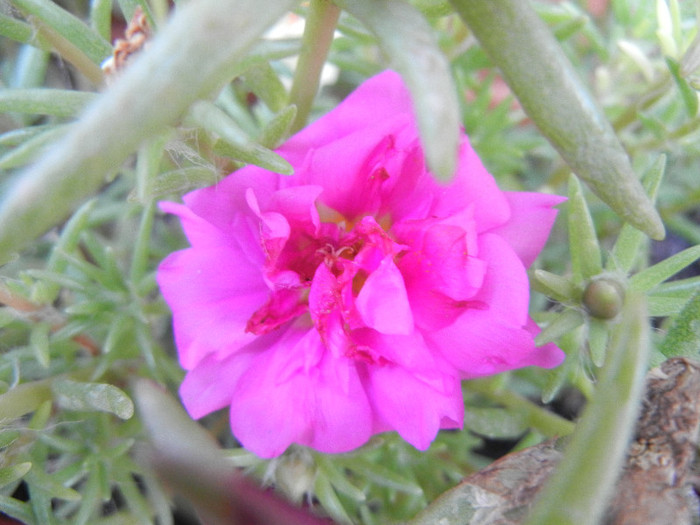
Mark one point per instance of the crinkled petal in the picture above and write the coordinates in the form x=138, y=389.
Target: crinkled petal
x=349, y=169
x=480, y=344
x=530, y=223
x=271, y=409
x=209, y=313
x=549, y=355
x=383, y=302
x=211, y=303
x=439, y=260
x=241, y=234
x=408, y=351
x=209, y=386
x=473, y=186
x=379, y=98
x=298, y=205
x=505, y=290
x=415, y=409
x=221, y=203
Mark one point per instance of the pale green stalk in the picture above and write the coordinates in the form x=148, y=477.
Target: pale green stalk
x=70, y=52
x=318, y=35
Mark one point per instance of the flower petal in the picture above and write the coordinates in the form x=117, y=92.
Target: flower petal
x=383, y=302
x=415, y=409
x=480, y=344
x=210, y=384
x=505, y=289
x=473, y=186
x=532, y=217
x=210, y=312
x=221, y=203
x=272, y=410
x=379, y=98
x=351, y=169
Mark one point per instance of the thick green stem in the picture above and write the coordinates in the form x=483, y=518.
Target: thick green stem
x=152, y=93
x=578, y=491
x=552, y=94
x=318, y=35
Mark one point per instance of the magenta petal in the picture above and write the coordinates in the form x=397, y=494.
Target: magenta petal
x=415, y=409
x=381, y=97
x=505, y=291
x=209, y=386
x=473, y=186
x=528, y=228
x=549, y=355
x=298, y=205
x=347, y=169
x=223, y=202
x=210, y=312
x=480, y=344
x=383, y=302
x=272, y=408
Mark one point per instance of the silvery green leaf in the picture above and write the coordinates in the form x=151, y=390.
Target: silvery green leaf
x=13, y=473
x=277, y=128
x=74, y=395
x=494, y=423
x=627, y=246
x=562, y=324
x=654, y=275
x=265, y=83
x=583, y=242
x=41, y=101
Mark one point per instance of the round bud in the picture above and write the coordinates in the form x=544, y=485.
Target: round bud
x=603, y=298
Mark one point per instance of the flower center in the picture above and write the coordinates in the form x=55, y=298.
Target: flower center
x=347, y=257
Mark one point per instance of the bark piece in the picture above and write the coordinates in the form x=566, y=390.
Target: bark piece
x=655, y=487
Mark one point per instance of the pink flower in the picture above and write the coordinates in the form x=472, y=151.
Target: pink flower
x=352, y=297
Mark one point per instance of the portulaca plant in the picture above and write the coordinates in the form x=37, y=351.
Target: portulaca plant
x=356, y=263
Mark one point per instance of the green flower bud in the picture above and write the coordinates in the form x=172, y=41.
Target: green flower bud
x=603, y=298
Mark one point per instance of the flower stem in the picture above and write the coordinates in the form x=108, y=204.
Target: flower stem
x=579, y=489
x=546, y=422
x=318, y=36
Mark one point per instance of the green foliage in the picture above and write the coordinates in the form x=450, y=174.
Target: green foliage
x=82, y=166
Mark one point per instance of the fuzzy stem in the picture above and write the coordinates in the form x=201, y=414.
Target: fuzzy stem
x=578, y=491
